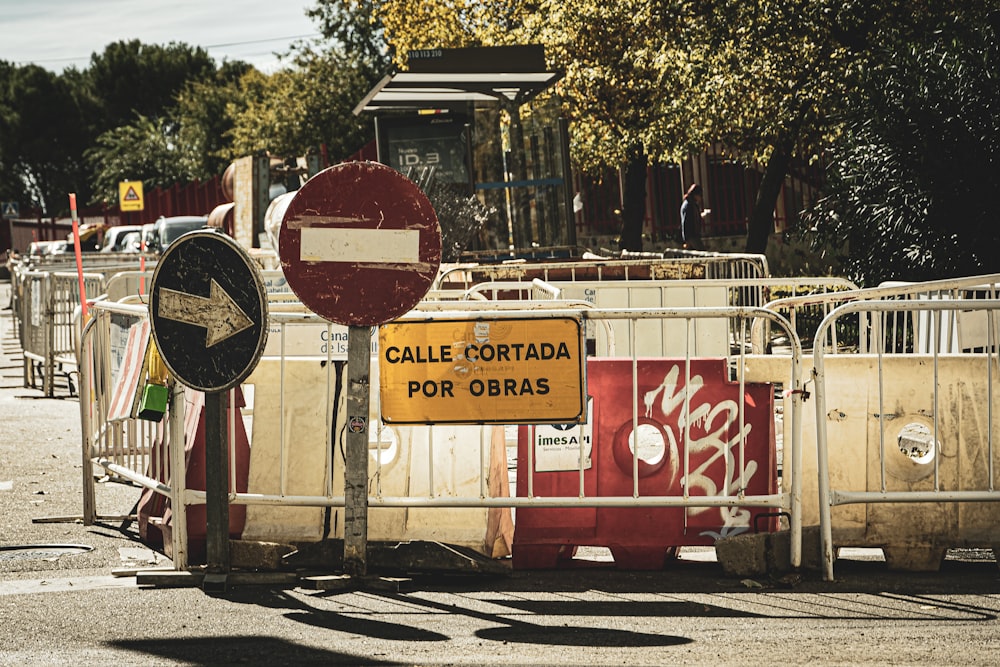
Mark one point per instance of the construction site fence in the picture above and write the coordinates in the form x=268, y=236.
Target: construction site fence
x=711, y=338
x=903, y=330
x=918, y=419
x=146, y=452
x=725, y=266
x=47, y=307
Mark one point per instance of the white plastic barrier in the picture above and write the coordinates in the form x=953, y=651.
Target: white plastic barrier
x=908, y=427
x=297, y=453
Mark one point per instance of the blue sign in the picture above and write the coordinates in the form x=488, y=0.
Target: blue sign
x=10, y=209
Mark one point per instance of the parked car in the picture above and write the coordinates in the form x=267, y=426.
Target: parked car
x=146, y=237
x=115, y=237
x=167, y=230
x=132, y=242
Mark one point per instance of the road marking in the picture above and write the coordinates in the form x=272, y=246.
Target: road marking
x=63, y=584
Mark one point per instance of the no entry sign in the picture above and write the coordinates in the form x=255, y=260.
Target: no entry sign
x=360, y=244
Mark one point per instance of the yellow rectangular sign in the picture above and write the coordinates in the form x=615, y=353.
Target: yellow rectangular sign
x=495, y=371
x=130, y=196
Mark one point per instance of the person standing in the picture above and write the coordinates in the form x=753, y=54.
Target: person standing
x=691, y=218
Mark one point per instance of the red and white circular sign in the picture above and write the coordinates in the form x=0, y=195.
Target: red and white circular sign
x=360, y=244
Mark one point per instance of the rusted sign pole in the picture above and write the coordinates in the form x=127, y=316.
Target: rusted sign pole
x=356, y=452
x=216, y=483
x=360, y=245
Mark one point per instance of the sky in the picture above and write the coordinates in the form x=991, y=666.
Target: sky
x=57, y=34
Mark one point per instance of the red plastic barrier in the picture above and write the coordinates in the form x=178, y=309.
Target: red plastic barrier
x=155, y=516
x=646, y=537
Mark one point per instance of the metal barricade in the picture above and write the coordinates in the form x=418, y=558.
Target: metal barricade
x=903, y=331
x=712, y=338
x=46, y=299
x=299, y=485
x=129, y=449
x=712, y=266
x=50, y=312
x=901, y=425
x=287, y=482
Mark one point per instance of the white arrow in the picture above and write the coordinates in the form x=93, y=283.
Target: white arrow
x=218, y=313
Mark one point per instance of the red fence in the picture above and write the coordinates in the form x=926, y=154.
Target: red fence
x=730, y=191
x=194, y=198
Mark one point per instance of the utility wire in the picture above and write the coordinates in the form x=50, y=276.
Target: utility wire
x=210, y=46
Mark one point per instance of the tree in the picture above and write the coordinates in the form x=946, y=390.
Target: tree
x=659, y=80
x=130, y=79
x=204, y=117
x=49, y=121
x=310, y=102
x=144, y=151
x=188, y=140
x=42, y=138
x=353, y=27
x=914, y=177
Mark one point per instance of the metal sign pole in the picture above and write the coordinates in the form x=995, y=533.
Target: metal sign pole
x=356, y=468
x=360, y=245
x=208, y=311
x=216, y=483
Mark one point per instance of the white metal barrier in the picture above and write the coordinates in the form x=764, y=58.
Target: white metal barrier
x=902, y=331
x=899, y=425
x=711, y=338
x=46, y=299
x=429, y=487
x=126, y=447
x=50, y=315
x=716, y=266
x=303, y=356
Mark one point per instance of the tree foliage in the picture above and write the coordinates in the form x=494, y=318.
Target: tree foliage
x=658, y=80
x=162, y=114
x=130, y=79
x=145, y=150
x=915, y=174
x=297, y=109
x=901, y=94
x=41, y=137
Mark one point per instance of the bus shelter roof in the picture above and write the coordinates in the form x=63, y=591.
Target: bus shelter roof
x=432, y=90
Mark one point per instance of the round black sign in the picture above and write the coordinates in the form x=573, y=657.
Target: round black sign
x=208, y=311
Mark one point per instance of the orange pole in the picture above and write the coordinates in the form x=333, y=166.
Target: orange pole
x=79, y=257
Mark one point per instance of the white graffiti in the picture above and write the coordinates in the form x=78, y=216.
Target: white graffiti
x=714, y=422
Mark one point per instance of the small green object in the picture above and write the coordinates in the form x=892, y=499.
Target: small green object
x=154, y=402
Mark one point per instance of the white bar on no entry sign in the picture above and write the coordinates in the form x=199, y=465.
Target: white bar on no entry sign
x=392, y=246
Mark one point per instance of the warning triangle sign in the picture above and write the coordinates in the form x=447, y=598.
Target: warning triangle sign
x=130, y=196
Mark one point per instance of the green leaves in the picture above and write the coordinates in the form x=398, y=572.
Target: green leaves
x=913, y=180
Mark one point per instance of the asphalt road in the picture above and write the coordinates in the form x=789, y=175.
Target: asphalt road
x=66, y=606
